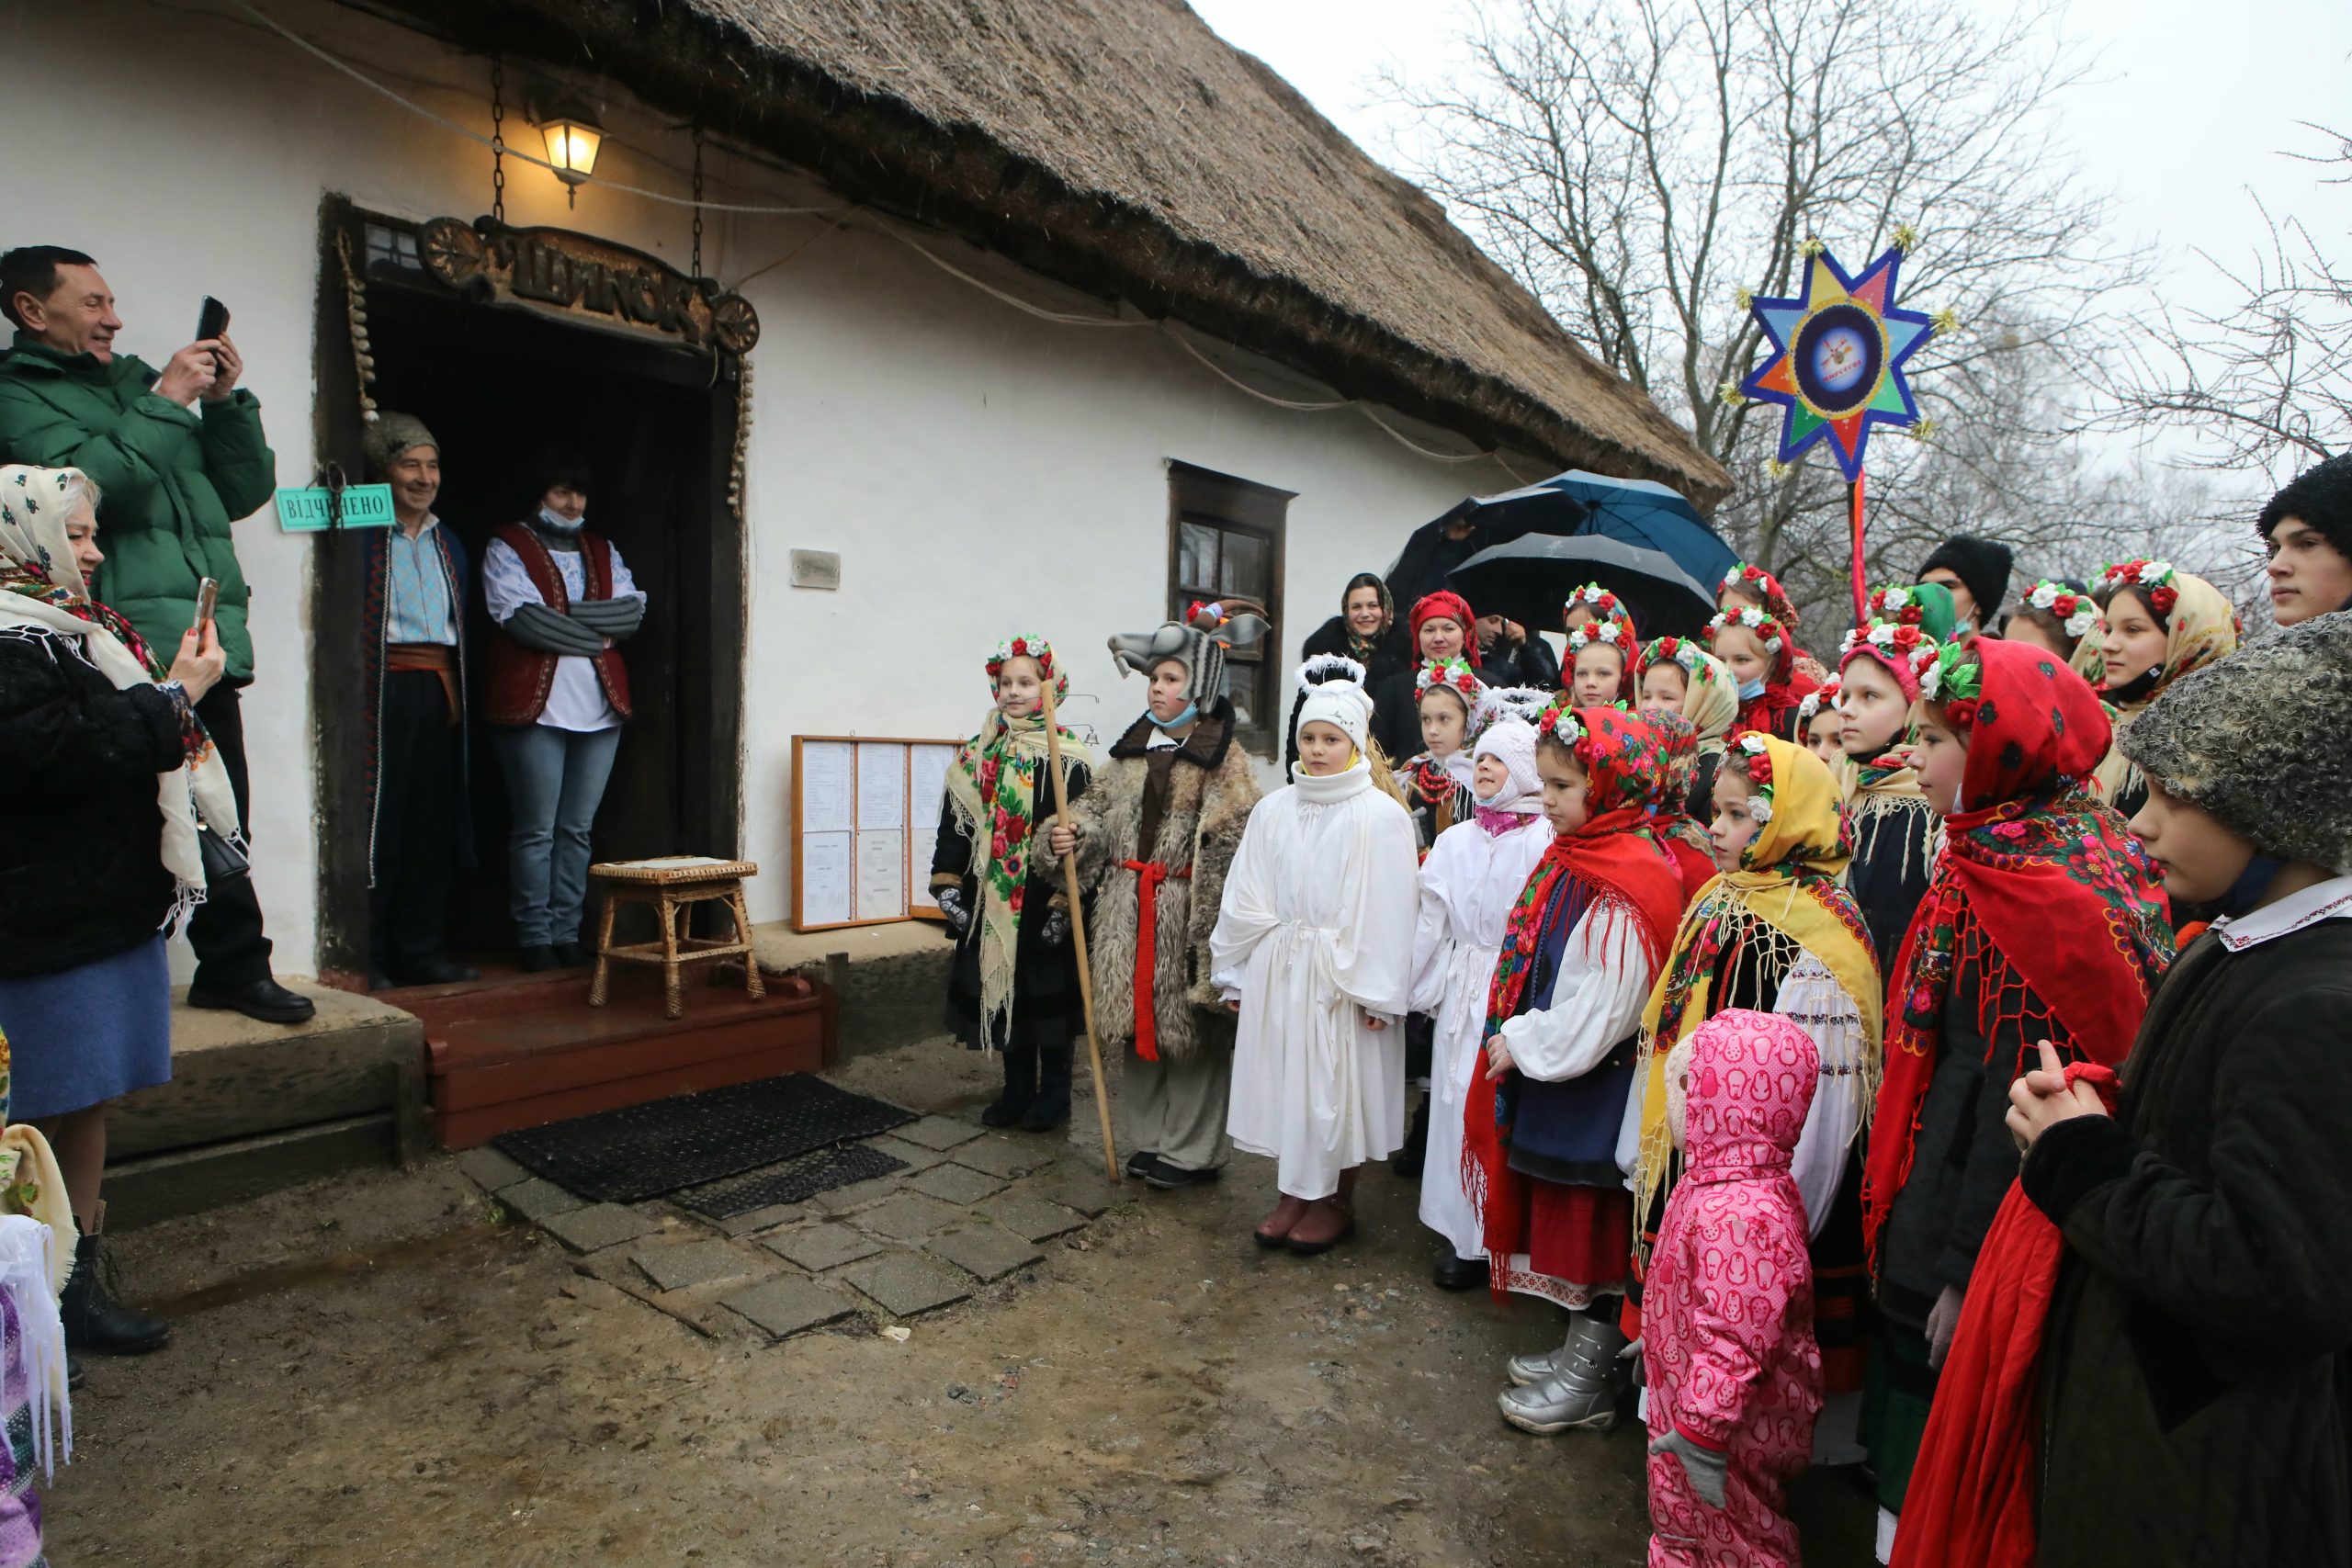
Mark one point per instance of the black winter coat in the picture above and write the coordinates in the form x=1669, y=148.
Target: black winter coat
x=2196, y=1362
x=82, y=874
x=1045, y=1004
x=1531, y=663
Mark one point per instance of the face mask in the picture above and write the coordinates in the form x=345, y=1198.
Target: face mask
x=1191, y=710
x=1750, y=689
x=558, y=522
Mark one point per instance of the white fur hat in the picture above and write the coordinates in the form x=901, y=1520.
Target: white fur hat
x=1332, y=687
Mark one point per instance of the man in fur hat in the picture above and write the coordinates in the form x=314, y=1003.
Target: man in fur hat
x=1977, y=572
x=2307, y=534
x=415, y=665
x=1155, y=835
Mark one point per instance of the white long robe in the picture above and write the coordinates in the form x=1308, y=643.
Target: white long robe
x=1468, y=884
x=1316, y=930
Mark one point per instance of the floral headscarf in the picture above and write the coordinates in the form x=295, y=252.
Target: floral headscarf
x=1760, y=588
x=2199, y=627
x=42, y=591
x=1362, y=649
x=2040, y=893
x=992, y=789
x=1710, y=697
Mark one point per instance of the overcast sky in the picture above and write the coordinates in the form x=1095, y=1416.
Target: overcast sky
x=2191, y=107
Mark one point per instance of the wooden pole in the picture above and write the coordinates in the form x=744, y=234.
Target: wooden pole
x=1078, y=933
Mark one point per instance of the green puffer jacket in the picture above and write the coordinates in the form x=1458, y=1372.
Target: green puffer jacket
x=172, y=480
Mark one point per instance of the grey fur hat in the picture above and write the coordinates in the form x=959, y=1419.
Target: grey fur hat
x=2240, y=735
x=394, y=434
x=1197, y=643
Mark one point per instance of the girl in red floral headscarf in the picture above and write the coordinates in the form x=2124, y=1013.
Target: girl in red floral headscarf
x=1579, y=952
x=1762, y=657
x=2043, y=921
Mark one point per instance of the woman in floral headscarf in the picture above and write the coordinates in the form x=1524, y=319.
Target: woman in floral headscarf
x=2044, y=922
x=2161, y=624
x=106, y=775
x=1014, y=986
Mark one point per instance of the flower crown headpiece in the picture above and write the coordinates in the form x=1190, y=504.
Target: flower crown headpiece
x=1894, y=602
x=1894, y=641
x=1955, y=683
x=1609, y=634
x=1454, y=675
x=2077, y=612
x=1768, y=631
x=1822, y=696
x=1025, y=646
x=1757, y=762
x=1747, y=577
x=2155, y=576
x=1598, y=598
x=1558, y=722
x=1681, y=651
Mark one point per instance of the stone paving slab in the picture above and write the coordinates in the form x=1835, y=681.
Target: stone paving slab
x=985, y=1251
x=937, y=1132
x=1083, y=1188
x=905, y=1283
x=955, y=1184
x=540, y=1200
x=1032, y=1218
x=911, y=1217
x=1000, y=1155
x=914, y=1157
x=849, y=1200
x=759, y=1219
x=819, y=1247
x=686, y=1264
x=598, y=1227
x=491, y=1171
x=790, y=1305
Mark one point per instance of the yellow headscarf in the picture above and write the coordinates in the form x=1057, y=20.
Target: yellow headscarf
x=1784, y=893
x=2200, y=627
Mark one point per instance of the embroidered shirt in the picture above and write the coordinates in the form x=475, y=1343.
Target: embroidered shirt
x=576, y=700
x=2329, y=901
x=417, y=588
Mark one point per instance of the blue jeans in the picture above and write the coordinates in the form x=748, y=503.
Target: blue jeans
x=555, y=778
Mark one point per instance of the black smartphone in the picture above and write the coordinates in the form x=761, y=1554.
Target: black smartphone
x=212, y=321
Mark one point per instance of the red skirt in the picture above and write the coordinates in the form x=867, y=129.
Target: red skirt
x=1580, y=1234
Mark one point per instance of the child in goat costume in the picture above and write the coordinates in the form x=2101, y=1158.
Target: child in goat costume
x=1735, y=1376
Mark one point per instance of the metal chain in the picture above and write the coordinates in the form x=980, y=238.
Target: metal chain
x=497, y=138
x=697, y=265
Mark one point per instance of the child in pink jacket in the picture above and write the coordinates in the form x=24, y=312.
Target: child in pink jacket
x=1735, y=1374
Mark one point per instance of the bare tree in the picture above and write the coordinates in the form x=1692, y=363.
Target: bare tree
x=2266, y=384
x=1639, y=164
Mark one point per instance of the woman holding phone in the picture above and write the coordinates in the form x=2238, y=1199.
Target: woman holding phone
x=104, y=779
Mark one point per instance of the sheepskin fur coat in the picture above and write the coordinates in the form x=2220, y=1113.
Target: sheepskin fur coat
x=1206, y=802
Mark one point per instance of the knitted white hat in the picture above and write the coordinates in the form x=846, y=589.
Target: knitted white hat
x=1510, y=740
x=1332, y=686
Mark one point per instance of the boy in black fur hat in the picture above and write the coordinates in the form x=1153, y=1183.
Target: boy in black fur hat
x=1977, y=572
x=2307, y=533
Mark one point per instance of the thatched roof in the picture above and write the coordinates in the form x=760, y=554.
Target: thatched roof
x=1120, y=146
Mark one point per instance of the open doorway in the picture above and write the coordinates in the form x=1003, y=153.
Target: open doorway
x=500, y=389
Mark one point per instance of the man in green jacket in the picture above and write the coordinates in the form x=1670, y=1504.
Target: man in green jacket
x=176, y=455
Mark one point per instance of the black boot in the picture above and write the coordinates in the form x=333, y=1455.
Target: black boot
x=1406, y=1161
x=1020, y=1086
x=1051, y=1108
x=95, y=1320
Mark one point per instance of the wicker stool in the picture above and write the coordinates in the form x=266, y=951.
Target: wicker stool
x=671, y=885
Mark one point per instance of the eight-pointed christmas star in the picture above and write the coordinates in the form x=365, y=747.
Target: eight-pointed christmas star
x=1837, y=359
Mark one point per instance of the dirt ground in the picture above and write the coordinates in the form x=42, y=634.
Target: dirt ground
x=375, y=1370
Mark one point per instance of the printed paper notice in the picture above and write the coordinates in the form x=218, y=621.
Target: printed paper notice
x=881, y=876
x=929, y=766
x=826, y=771
x=881, y=786
x=824, y=879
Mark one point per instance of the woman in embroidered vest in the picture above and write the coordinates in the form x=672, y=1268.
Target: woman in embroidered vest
x=564, y=601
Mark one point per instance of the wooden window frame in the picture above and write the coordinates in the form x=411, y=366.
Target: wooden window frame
x=1237, y=505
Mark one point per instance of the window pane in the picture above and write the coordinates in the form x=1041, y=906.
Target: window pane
x=1241, y=682
x=1196, y=558
x=1244, y=567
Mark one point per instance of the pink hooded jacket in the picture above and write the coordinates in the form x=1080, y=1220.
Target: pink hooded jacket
x=1727, y=1308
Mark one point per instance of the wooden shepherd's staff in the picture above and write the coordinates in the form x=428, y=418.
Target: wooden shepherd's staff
x=1078, y=932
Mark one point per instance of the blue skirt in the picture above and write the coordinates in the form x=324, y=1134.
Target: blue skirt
x=83, y=1036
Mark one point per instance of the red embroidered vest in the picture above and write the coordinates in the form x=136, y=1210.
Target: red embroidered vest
x=519, y=676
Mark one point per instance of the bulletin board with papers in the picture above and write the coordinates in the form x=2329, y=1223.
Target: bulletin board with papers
x=864, y=817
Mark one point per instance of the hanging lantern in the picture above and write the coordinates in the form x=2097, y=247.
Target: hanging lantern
x=574, y=137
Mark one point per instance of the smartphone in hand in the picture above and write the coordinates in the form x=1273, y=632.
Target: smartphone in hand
x=208, y=598
x=211, y=322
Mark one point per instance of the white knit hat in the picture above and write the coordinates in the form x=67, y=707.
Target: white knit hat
x=1332, y=687
x=1511, y=740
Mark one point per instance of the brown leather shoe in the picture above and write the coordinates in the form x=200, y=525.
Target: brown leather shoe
x=1275, y=1229
x=1328, y=1222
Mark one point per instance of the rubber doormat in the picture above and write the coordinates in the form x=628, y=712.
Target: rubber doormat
x=794, y=1181
x=643, y=1151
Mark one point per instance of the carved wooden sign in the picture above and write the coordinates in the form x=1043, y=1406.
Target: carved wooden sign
x=580, y=278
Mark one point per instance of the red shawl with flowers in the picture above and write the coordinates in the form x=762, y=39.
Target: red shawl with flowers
x=1610, y=868
x=2040, y=890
